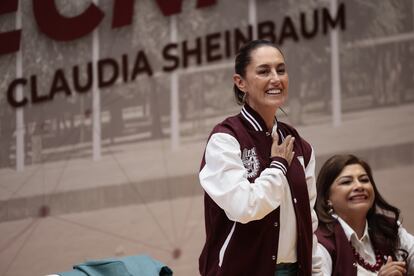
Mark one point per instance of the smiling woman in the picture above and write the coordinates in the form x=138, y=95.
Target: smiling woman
x=359, y=232
x=264, y=83
x=352, y=195
x=258, y=178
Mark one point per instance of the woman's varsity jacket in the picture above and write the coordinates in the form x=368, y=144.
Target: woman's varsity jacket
x=336, y=243
x=237, y=248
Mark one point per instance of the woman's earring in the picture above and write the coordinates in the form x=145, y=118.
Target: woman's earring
x=244, y=97
x=330, y=207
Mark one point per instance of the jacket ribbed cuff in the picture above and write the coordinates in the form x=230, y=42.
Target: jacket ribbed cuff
x=279, y=163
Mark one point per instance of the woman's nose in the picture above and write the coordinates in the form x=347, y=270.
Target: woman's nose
x=358, y=185
x=274, y=76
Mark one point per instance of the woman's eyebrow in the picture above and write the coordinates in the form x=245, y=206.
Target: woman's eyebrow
x=344, y=176
x=269, y=65
x=263, y=65
x=351, y=176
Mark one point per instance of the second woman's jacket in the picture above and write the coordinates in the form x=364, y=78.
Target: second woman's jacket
x=338, y=247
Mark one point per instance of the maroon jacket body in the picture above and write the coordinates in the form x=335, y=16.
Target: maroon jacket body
x=253, y=247
x=338, y=246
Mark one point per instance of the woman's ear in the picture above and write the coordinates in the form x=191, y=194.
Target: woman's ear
x=330, y=206
x=239, y=82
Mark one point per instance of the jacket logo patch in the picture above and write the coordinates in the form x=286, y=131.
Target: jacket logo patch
x=250, y=162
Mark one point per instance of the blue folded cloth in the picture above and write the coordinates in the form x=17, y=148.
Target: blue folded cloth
x=140, y=265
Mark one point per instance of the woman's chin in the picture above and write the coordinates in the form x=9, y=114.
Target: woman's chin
x=276, y=101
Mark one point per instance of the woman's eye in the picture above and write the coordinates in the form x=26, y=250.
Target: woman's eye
x=281, y=71
x=364, y=180
x=263, y=72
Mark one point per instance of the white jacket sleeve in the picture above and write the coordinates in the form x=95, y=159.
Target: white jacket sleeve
x=224, y=178
x=326, y=260
x=407, y=243
x=311, y=182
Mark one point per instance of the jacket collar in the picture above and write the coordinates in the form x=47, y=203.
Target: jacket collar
x=253, y=119
x=350, y=233
x=256, y=122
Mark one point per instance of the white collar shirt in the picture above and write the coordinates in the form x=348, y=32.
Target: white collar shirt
x=362, y=245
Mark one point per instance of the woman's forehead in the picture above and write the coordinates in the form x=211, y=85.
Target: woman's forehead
x=352, y=169
x=266, y=54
